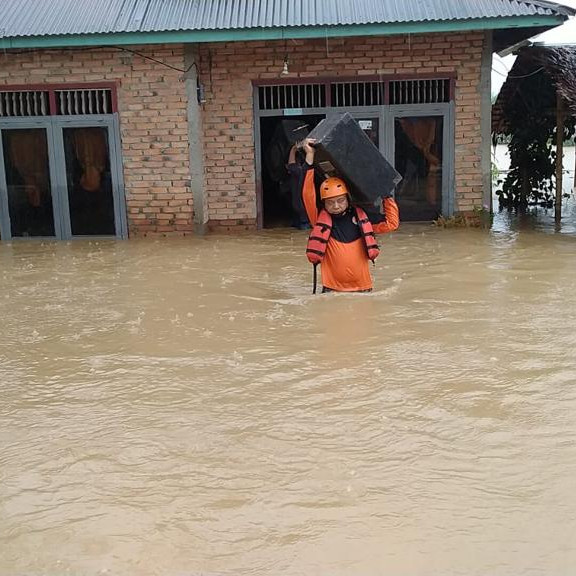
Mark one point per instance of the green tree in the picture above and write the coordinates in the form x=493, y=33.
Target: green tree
x=531, y=119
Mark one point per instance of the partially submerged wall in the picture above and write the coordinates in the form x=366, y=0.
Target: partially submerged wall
x=153, y=111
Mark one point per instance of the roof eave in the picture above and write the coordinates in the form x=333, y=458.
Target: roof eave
x=277, y=33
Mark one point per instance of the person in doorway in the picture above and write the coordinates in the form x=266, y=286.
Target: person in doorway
x=296, y=170
x=342, y=239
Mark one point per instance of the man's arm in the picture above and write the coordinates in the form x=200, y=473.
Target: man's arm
x=292, y=155
x=309, y=194
x=392, y=217
x=308, y=188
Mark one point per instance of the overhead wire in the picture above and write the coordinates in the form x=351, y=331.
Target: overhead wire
x=119, y=48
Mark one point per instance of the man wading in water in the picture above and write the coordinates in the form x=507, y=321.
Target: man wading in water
x=342, y=237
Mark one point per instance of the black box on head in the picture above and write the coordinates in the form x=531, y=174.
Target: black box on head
x=343, y=149
x=290, y=131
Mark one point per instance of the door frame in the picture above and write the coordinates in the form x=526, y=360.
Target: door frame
x=258, y=115
x=379, y=112
x=386, y=114
x=118, y=192
x=5, y=224
x=443, y=111
x=54, y=126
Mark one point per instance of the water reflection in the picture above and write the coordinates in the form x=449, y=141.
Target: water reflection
x=538, y=219
x=189, y=407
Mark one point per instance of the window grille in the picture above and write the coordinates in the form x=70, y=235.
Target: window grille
x=357, y=93
x=24, y=103
x=82, y=102
x=420, y=91
x=354, y=93
x=292, y=96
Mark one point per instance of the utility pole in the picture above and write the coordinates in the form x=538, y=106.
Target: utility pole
x=559, y=154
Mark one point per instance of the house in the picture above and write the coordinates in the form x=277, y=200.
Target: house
x=535, y=108
x=158, y=117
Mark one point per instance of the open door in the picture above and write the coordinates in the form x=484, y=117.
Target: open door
x=281, y=185
x=421, y=145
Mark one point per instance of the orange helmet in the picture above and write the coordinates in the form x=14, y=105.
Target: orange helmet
x=332, y=187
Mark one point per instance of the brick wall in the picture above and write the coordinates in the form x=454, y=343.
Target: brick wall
x=228, y=70
x=152, y=108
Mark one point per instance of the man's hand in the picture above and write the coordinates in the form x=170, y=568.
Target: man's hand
x=310, y=151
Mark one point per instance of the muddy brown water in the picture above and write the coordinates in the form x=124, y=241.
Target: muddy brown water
x=187, y=407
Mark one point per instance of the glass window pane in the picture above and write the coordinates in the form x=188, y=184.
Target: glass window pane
x=370, y=128
x=28, y=182
x=89, y=181
x=418, y=158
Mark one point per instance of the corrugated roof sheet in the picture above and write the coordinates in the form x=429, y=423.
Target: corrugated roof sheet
x=56, y=17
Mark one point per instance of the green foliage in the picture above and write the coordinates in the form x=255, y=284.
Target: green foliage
x=478, y=218
x=532, y=119
x=494, y=172
x=456, y=221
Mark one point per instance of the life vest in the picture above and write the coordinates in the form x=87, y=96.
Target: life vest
x=318, y=239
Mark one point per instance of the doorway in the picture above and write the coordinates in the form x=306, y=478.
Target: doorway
x=411, y=122
x=422, y=155
x=89, y=187
x=27, y=193
x=281, y=200
x=418, y=155
x=61, y=178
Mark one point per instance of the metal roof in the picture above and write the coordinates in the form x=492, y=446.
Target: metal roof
x=27, y=18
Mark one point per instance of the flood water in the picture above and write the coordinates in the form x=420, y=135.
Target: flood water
x=187, y=407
